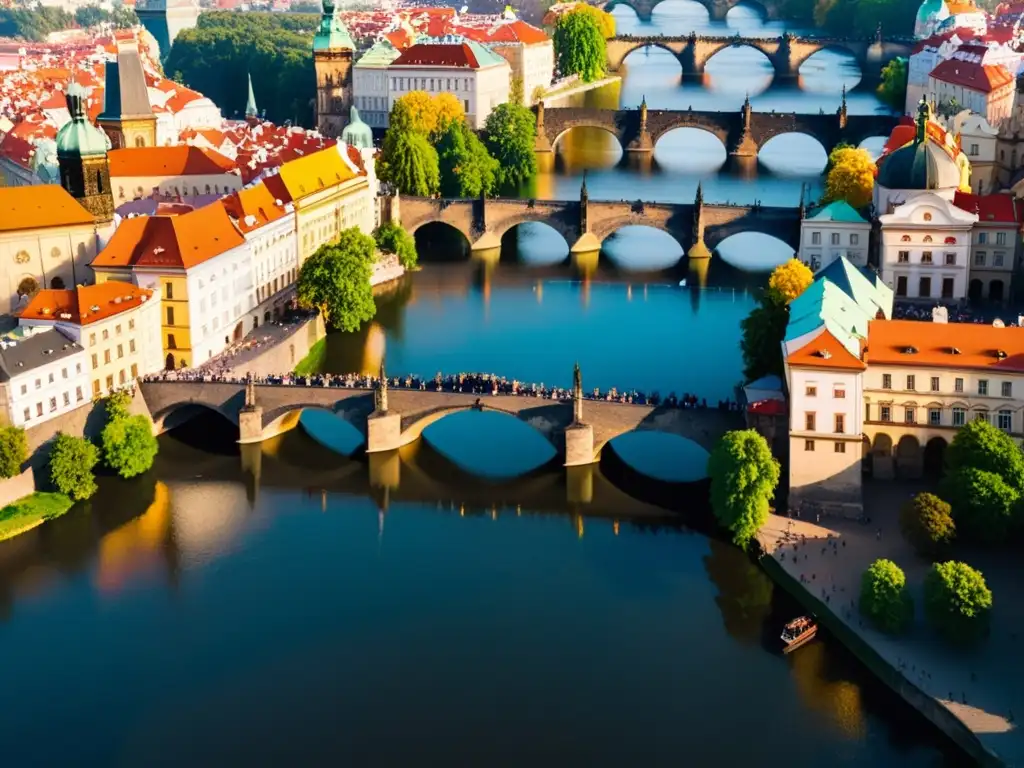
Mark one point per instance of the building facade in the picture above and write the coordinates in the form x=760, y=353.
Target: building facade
x=333, y=52
x=986, y=89
x=370, y=83
x=44, y=376
x=179, y=171
x=995, y=245
x=832, y=231
x=127, y=117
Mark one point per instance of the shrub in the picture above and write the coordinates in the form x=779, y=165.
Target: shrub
x=957, y=601
x=71, y=463
x=117, y=404
x=393, y=238
x=129, y=446
x=884, y=597
x=983, y=504
x=981, y=445
x=927, y=523
x=13, y=450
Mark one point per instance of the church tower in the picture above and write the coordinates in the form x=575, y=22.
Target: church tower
x=82, y=157
x=333, y=50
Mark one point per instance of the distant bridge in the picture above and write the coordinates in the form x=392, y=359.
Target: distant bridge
x=771, y=10
x=743, y=132
x=786, y=53
x=264, y=411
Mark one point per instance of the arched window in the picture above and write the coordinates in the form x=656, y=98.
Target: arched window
x=57, y=284
x=140, y=141
x=28, y=286
x=905, y=239
x=950, y=241
x=927, y=238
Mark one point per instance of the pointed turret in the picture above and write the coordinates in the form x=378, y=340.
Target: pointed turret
x=842, y=110
x=252, y=114
x=698, y=200
x=584, y=196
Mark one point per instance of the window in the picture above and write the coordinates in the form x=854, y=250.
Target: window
x=170, y=315
x=910, y=415
x=840, y=423
x=121, y=376
x=886, y=381
x=63, y=373
x=811, y=391
x=839, y=391
x=169, y=291
x=927, y=216
x=1007, y=389
x=1000, y=238
x=924, y=287
x=854, y=239
x=28, y=414
x=39, y=409
x=973, y=151
x=117, y=329
x=981, y=416
x=835, y=238
x=934, y=416
x=947, y=287
x=49, y=379
x=911, y=383
x=106, y=334
x=808, y=445
x=926, y=257
x=106, y=356
x=92, y=339
x=982, y=386
x=39, y=383
x=809, y=421
x=935, y=383
x=997, y=259
x=170, y=341
x=24, y=389
x=885, y=413
x=1005, y=420
x=979, y=258
x=465, y=104
x=901, y=285
x=840, y=447
x=78, y=394
x=67, y=399
x=951, y=259
x=958, y=385
x=982, y=238
x=959, y=416
x=135, y=371
x=120, y=350
x=110, y=382
x=131, y=325
x=131, y=345
x=903, y=257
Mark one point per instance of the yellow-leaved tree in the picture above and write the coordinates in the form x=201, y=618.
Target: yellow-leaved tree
x=605, y=21
x=851, y=176
x=788, y=281
x=430, y=115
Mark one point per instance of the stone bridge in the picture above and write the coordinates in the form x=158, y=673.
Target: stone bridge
x=743, y=133
x=786, y=53
x=699, y=227
x=771, y=10
x=394, y=418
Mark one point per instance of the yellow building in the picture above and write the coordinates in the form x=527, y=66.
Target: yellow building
x=118, y=325
x=201, y=265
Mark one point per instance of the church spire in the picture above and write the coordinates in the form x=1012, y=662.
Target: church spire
x=251, y=113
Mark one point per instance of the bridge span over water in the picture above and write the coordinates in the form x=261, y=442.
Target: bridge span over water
x=390, y=418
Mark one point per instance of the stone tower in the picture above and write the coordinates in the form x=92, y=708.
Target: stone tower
x=127, y=116
x=333, y=50
x=82, y=157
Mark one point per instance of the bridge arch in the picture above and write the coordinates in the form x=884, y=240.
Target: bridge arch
x=749, y=251
x=796, y=151
x=737, y=45
x=683, y=124
x=548, y=244
x=441, y=239
x=413, y=426
x=178, y=413
x=757, y=7
x=659, y=454
x=649, y=46
x=660, y=250
x=799, y=58
x=588, y=124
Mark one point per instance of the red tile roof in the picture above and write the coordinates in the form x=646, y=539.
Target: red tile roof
x=825, y=351
x=181, y=160
x=437, y=55
x=984, y=78
x=990, y=208
x=86, y=303
x=976, y=346
x=506, y=32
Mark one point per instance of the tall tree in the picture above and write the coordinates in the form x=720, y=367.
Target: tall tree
x=393, y=238
x=893, y=88
x=511, y=135
x=762, y=332
x=71, y=463
x=982, y=445
x=579, y=45
x=129, y=445
x=851, y=177
x=336, y=281
x=13, y=450
x=743, y=475
x=466, y=168
x=409, y=162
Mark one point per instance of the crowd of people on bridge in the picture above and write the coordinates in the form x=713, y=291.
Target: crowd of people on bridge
x=956, y=313
x=470, y=383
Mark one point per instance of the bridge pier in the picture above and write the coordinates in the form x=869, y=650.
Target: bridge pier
x=579, y=484
x=250, y=418
x=385, y=469
x=383, y=427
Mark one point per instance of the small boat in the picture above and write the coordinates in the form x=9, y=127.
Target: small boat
x=682, y=283
x=798, y=632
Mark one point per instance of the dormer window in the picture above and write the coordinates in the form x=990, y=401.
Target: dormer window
x=1001, y=354
x=954, y=350
x=910, y=350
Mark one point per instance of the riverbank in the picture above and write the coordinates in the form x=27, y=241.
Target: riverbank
x=32, y=511
x=970, y=695
x=552, y=99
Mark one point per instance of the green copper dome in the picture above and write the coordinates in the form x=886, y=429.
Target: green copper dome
x=332, y=34
x=921, y=164
x=78, y=136
x=357, y=133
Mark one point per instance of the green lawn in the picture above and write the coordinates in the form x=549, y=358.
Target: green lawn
x=313, y=362
x=27, y=513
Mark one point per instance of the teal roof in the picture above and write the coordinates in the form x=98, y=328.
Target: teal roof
x=873, y=296
x=485, y=57
x=357, y=133
x=78, y=137
x=333, y=34
x=823, y=303
x=380, y=54
x=840, y=211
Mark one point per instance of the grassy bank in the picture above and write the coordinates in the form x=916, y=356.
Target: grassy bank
x=25, y=514
x=313, y=362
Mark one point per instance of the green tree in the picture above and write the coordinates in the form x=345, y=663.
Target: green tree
x=129, y=445
x=983, y=504
x=124, y=17
x=579, y=46
x=762, y=332
x=743, y=476
x=393, y=238
x=336, y=281
x=34, y=23
x=957, y=601
x=91, y=15
x=71, y=466
x=117, y=404
x=466, y=168
x=927, y=523
x=981, y=445
x=893, y=88
x=511, y=136
x=13, y=450
x=884, y=597
x=409, y=162
x=516, y=91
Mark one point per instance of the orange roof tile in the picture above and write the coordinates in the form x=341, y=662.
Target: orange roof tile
x=315, y=172
x=977, y=346
x=984, y=78
x=254, y=207
x=825, y=351
x=86, y=303
x=182, y=160
x=177, y=242
x=35, y=207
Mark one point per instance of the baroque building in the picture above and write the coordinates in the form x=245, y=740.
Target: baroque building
x=333, y=51
x=82, y=158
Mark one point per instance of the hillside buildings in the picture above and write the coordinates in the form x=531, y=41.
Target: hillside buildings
x=42, y=376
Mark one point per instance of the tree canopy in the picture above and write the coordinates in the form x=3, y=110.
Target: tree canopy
x=430, y=115
x=884, y=597
x=762, y=333
x=580, y=44
x=336, y=281
x=129, y=445
x=851, y=176
x=275, y=48
x=957, y=601
x=393, y=238
x=34, y=23
x=893, y=88
x=466, y=168
x=13, y=450
x=984, y=506
x=71, y=466
x=856, y=18
x=743, y=476
x=982, y=445
x=927, y=523
x=511, y=135
x=788, y=281
x=410, y=163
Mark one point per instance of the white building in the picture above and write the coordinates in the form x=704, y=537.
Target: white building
x=925, y=247
x=44, y=376
x=528, y=51
x=478, y=77
x=370, y=83
x=979, y=142
x=995, y=244
x=971, y=83
x=927, y=55
x=832, y=231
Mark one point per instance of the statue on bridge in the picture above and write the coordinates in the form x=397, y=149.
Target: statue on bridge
x=250, y=394
x=577, y=394
x=380, y=392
